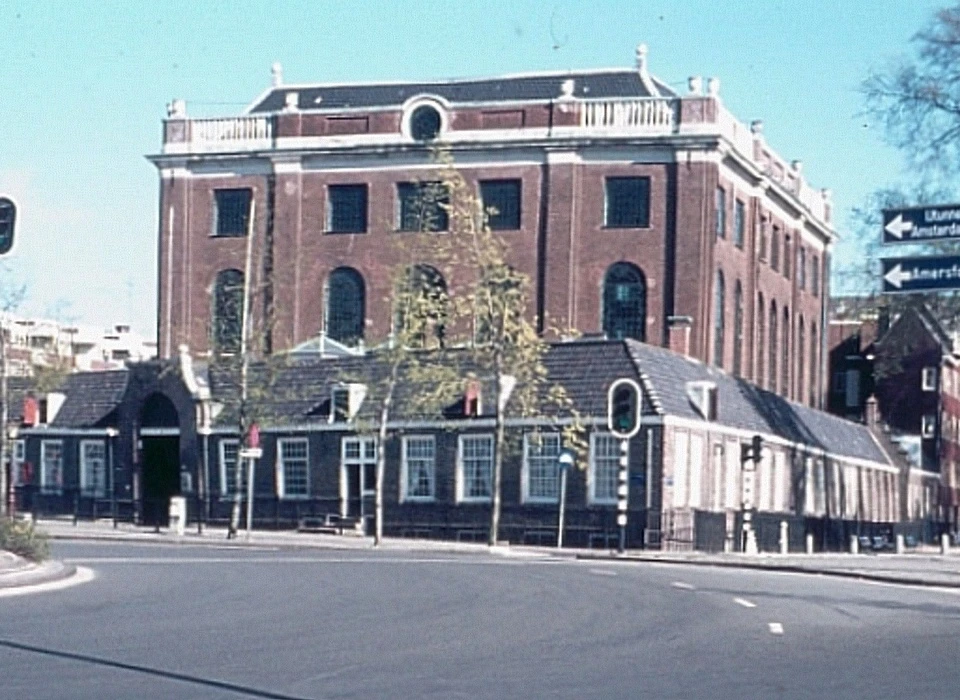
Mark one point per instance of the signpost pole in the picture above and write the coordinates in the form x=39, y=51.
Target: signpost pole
x=565, y=460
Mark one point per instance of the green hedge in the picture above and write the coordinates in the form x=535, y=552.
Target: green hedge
x=21, y=537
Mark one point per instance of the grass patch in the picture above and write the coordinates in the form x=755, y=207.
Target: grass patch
x=22, y=538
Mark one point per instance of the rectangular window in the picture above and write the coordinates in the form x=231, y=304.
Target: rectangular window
x=775, y=248
x=627, y=202
x=762, y=242
x=780, y=482
x=501, y=202
x=815, y=276
x=51, y=466
x=18, y=461
x=928, y=379
x=229, y=454
x=696, y=469
x=358, y=467
x=293, y=468
x=681, y=455
x=347, y=209
x=422, y=206
x=801, y=267
x=731, y=497
x=93, y=468
x=475, y=468
x=604, y=467
x=928, y=425
x=721, y=212
x=786, y=256
x=419, y=468
x=852, y=388
x=739, y=224
x=232, y=215
x=540, y=473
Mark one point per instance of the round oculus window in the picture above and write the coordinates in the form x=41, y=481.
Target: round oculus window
x=425, y=123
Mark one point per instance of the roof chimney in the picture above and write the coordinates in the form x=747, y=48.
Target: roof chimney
x=642, y=58
x=872, y=411
x=276, y=74
x=679, y=328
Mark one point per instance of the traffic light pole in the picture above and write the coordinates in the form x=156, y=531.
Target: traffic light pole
x=623, y=490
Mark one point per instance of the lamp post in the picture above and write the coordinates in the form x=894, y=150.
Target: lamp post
x=111, y=468
x=565, y=460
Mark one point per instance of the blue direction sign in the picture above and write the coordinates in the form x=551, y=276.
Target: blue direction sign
x=918, y=224
x=925, y=274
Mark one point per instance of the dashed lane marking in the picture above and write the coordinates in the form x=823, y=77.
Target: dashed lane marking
x=744, y=602
x=683, y=586
x=603, y=572
x=776, y=628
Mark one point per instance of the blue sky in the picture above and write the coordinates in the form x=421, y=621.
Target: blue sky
x=85, y=84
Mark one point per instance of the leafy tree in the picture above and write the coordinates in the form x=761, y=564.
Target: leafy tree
x=11, y=297
x=493, y=304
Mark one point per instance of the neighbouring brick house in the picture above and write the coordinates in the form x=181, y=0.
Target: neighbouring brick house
x=634, y=210
x=126, y=441
x=906, y=365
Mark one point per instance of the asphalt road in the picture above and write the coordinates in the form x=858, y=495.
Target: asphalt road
x=213, y=622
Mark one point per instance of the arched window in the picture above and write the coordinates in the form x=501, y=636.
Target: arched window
x=785, y=364
x=719, y=309
x=227, y=321
x=738, y=329
x=761, y=340
x=814, y=366
x=801, y=358
x=624, y=302
x=421, y=305
x=772, y=365
x=346, y=305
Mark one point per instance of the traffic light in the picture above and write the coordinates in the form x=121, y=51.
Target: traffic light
x=623, y=408
x=753, y=451
x=8, y=219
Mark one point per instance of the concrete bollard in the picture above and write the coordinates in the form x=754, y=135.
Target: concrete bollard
x=944, y=543
x=899, y=541
x=784, y=537
x=854, y=545
x=809, y=543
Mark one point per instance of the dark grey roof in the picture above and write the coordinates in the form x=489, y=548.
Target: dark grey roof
x=745, y=406
x=91, y=398
x=539, y=87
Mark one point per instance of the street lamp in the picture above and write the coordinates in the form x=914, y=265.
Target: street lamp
x=565, y=460
x=111, y=435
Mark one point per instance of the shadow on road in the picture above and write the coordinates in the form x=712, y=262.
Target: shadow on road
x=220, y=685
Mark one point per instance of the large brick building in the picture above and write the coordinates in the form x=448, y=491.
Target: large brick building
x=636, y=211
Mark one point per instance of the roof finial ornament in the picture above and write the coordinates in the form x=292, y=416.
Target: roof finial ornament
x=713, y=87
x=695, y=83
x=276, y=74
x=177, y=109
x=642, y=58
x=756, y=127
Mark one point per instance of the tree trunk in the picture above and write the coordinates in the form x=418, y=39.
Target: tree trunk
x=497, y=463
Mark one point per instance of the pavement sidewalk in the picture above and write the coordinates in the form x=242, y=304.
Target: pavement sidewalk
x=921, y=567
x=17, y=572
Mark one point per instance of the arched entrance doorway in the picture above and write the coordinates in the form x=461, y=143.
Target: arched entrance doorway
x=159, y=457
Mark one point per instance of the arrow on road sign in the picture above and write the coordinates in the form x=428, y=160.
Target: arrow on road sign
x=898, y=226
x=896, y=276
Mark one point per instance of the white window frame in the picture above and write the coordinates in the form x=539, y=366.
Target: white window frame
x=681, y=456
x=928, y=425
x=601, y=460
x=423, y=464
x=928, y=379
x=285, y=462
x=18, y=456
x=463, y=440
x=367, y=455
x=542, y=458
x=56, y=487
x=88, y=469
x=695, y=492
x=732, y=468
x=227, y=469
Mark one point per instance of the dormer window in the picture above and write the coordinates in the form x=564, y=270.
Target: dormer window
x=425, y=123
x=472, y=399
x=345, y=401
x=703, y=398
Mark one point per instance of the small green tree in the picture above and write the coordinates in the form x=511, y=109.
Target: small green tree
x=11, y=297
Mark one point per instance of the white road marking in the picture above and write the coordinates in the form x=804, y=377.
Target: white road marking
x=83, y=575
x=776, y=628
x=744, y=602
x=603, y=572
x=683, y=586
